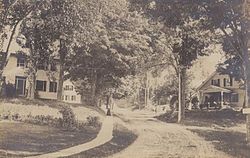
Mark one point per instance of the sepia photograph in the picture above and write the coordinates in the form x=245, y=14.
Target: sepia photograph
x=124, y=78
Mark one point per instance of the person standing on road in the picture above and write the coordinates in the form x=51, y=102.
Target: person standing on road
x=108, y=104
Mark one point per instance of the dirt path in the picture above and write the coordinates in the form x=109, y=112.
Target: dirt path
x=160, y=140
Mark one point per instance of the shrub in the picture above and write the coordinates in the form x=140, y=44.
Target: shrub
x=68, y=118
x=93, y=121
x=10, y=90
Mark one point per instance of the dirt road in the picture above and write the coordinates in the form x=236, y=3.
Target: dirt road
x=161, y=140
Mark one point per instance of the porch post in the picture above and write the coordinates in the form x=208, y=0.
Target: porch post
x=222, y=99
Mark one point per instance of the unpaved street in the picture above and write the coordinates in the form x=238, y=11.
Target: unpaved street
x=161, y=140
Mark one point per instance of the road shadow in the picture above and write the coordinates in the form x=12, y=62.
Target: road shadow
x=230, y=142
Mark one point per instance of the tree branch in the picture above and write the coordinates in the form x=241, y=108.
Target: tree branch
x=230, y=40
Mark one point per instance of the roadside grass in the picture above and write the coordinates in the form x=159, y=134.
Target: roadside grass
x=50, y=103
x=230, y=142
x=122, y=138
x=37, y=102
x=222, y=118
x=35, y=139
x=38, y=126
x=37, y=107
x=222, y=128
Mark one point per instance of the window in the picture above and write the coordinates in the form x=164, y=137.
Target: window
x=42, y=66
x=66, y=87
x=41, y=85
x=20, y=62
x=52, y=87
x=73, y=98
x=53, y=67
x=235, y=97
x=215, y=82
x=231, y=81
x=66, y=97
x=69, y=88
x=225, y=82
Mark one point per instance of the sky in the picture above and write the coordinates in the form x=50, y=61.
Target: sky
x=204, y=67
x=14, y=46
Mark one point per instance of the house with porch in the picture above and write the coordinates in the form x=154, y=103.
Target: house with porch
x=220, y=90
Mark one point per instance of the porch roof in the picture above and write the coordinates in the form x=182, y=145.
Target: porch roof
x=214, y=89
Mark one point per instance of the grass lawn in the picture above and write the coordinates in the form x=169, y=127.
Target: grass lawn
x=230, y=142
x=223, y=128
x=122, y=138
x=223, y=118
x=45, y=102
x=33, y=139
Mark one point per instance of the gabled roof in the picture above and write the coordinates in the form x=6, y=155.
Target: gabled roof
x=208, y=79
x=214, y=89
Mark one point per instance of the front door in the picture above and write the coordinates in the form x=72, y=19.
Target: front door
x=20, y=86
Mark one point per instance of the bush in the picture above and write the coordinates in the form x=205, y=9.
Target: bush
x=66, y=121
x=68, y=118
x=10, y=116
x=93, y=121
x=10, y=90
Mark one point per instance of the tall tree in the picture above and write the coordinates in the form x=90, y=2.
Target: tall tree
x=183, y=36
x=231, y=18
x=37, y=39
x=58, y=23
x=119, y=39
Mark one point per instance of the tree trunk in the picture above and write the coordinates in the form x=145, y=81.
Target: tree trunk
x=138, y=101
x=60, y=82
x=32, y=79
x=32, y=75
x=93, y=89
x=247, y=94
x=183, y=92
x=11, y=37
x=246, y=62
x=146, y=89
x=32, y=87
x=179, y=96
x=62, y=54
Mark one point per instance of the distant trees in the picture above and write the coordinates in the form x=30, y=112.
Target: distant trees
x=167, y=89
